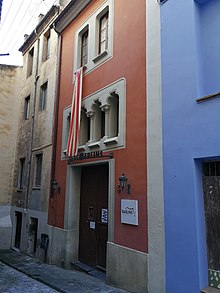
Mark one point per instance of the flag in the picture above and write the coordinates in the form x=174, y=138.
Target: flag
x=72, y=144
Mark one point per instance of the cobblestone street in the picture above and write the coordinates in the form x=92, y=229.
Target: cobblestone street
x=22, y=273
x=12, y=281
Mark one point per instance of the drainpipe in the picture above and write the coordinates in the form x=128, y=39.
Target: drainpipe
x=56, y=111
x=32, y=127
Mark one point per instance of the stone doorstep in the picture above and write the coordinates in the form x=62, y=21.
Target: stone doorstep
x=210, y=290
x=89, y=270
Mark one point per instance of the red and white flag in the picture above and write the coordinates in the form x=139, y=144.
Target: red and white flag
x=72, y=144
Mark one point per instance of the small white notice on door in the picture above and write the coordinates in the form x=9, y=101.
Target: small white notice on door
x=92, y=225
x=104, y=216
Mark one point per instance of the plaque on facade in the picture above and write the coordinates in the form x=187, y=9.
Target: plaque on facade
x=129, y=212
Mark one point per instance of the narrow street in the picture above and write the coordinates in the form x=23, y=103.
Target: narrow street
x=12, y=281
x=22, y=273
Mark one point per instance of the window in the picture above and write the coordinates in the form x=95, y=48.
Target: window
x=21, y=173
x=84, y=48
x=113, y=101
x=65, y=132
x=26, y=107
x=43, y=97
x=103, y=33
x=85, y=129
x=30, y=62
x=46, y=46
x=38, y=170
x=94, y=39
x=103, y=116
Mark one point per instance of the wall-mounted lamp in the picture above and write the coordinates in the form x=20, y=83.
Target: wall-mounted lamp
x=123, y=186
x=55, y=185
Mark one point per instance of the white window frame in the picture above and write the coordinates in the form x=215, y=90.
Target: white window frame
x=92, y=24
x=106, y=142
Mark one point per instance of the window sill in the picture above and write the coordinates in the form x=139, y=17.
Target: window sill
x=208, y=97
x=36, y=188
x=94, y=145
x=82, y=147
x=112, y=140
x=19, y=189
x=100, y=56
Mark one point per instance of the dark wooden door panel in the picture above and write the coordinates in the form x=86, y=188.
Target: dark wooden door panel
x=18, y=229
x=102, y=240
x=93, y=204
x=212, y=215
x=211, y=188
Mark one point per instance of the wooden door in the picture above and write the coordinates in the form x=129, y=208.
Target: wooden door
x=211, y=187
x=32, y=236
x=93, y=215
x=18, y=219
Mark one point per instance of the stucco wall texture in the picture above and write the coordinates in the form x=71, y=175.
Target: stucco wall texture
x=9, y=87
x=129, y=62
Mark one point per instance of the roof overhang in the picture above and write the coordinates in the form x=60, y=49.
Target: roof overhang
x=46, y=20
x=70, y=12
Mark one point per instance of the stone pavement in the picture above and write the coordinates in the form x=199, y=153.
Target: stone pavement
x=62, y=280
x=13, y=281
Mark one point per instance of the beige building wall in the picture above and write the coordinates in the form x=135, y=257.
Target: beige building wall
x=10, y=86
x=34, y=138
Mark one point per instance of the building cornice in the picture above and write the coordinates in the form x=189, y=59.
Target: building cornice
x=46, y=20
x=71, y=11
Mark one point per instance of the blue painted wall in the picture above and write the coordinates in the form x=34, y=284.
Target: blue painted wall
x=190, y=51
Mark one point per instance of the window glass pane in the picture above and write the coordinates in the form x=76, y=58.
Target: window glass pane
x=26, y=107
x=48, y=47
x=103, y=33
x=84, y=60
x=102, y=47
x=21, y=173
x=103, y=36
x=43, y=97
x=38, y=170
x=30, y=62
x=102, y=124
x=84, y=48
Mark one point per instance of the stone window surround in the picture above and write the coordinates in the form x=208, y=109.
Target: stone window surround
x=21, y=170
x=107, y=142
x=38, y=170
x=46, y=45
x=27, y=107
x=92, y=24
x=43, y=97
x=30, y=62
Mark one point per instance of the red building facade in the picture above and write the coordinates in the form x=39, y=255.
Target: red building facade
x=92, y=219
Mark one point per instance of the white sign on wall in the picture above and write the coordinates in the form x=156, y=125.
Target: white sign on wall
x=129, y=212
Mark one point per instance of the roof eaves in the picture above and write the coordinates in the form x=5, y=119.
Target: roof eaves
x=54, y=10
x=70, y=12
